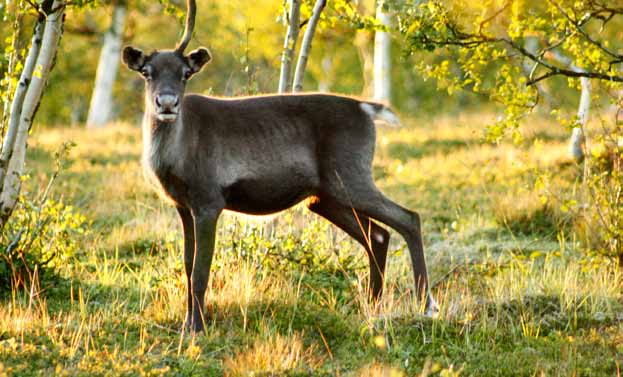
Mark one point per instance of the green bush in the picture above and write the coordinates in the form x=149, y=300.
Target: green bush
x=602, y=223
x=38, y=238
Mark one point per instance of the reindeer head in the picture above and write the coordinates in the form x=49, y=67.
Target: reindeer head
x=166, y=72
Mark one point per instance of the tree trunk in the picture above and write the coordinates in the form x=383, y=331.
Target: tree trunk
x=18, y=98
x=13, y=57
x=324, y=83
x=44, y=61
x=577, y=135
x=101, y=107
x=299, y=73
x=382, y=58
x=366, y=57
x=289, y=46
x=532, y=46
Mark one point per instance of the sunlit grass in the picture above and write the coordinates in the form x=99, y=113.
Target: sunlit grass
x=515, y=299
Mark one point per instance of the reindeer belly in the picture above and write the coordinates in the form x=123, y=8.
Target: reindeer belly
x=271, y=192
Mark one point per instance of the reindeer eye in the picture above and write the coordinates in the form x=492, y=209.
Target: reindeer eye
x=187, y=75
x=145, y=73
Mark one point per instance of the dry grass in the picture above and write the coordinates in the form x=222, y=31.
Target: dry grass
x=520, y=302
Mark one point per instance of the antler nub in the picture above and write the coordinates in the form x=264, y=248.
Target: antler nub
x=191, y=12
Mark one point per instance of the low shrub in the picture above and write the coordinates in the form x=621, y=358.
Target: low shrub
x=39, y=237
x=601, y=223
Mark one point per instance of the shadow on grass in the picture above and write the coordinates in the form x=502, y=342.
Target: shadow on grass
x=517, y=337
x=406, y=151
x=43, y=158
x=39, y=155
x=508, y=338
x=114, y=159
x=544, y=313
x=545, y=136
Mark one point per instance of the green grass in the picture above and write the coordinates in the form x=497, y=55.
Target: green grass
x=517, y=297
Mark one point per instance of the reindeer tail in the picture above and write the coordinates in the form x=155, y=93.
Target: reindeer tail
x=378, y=111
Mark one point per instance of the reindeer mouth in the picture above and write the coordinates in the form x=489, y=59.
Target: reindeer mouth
x=167, y=116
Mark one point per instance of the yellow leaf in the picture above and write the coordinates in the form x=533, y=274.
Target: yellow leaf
x=379, y=341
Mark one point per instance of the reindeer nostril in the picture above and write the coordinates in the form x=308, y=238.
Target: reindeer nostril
x=158, y=102
x=177, y=101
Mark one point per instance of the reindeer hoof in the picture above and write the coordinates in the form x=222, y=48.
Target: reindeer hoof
x=191, y=327
x=197, y=327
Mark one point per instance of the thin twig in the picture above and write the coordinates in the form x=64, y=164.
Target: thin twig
x=578, y=26
x=493, y=16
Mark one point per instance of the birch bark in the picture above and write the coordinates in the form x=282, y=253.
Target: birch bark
x=101, y=107
x=49, y=45
x=299, y=73
x=289, y=46
x=18, y=98
x=576, y=142
x=382, y=58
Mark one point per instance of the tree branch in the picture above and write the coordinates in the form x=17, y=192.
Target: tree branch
x=493, y=16
x=578, y=26
x=554, y=70
x=299, y=72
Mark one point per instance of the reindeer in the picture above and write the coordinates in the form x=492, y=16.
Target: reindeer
x=261, y=155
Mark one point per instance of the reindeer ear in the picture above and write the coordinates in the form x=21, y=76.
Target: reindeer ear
x=133, y=58
x=198, y=58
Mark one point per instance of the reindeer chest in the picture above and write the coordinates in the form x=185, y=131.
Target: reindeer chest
x=163, y=168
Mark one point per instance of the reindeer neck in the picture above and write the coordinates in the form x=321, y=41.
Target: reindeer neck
x=158, y=138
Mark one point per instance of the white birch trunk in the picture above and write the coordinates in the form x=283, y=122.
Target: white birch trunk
x=299, y=73
x=289, y=46
x=577, y=135
x=18, y=99
x=324, y=84
x=13, y=57
x=382, y=58
x=576, y=142
x=15, y=169
x=532, y=46
x=362, y=42
x=101, y=107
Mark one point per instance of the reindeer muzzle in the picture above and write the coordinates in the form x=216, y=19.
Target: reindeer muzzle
x=167, y=107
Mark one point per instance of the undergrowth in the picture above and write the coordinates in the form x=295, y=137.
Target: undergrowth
x=518, y=294
x=41, y=235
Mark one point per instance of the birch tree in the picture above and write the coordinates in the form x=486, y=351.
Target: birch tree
x=101, y=107
x=39, y=61
x=364, y=46
x=306, y=45
x=580, y=47
x=18, y=97
x=324, y=83
x=576, y=142
x=382, y=57
x=491, y=46
x=289, y=45
x=12, y=60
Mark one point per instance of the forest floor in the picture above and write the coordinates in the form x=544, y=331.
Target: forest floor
x=287, y=293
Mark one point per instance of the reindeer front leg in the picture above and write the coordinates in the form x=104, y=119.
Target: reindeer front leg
x=188, y=227
x=205, y=232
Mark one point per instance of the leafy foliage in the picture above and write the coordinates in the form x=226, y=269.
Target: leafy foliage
x=488, y=44
x=514, y=52
x=602, y=223
x=39, y=238
x=41, y=235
